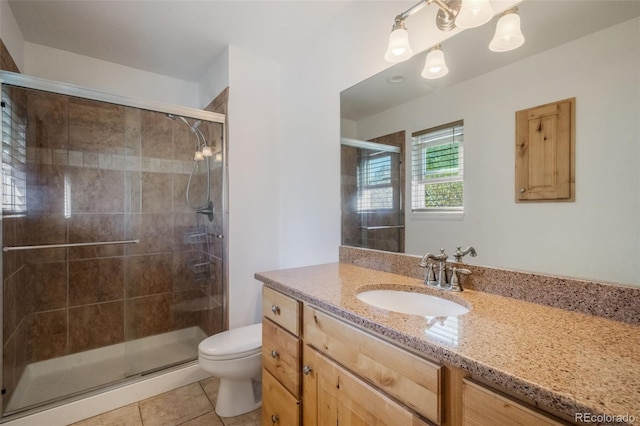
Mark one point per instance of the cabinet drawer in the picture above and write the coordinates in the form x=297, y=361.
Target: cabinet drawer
x=413, y=380
x=281, y=309
x=281, y=355
x=484, y=407
x=279, y=407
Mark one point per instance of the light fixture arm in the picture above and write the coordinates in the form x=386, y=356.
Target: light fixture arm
x=413, y=9
x=446, y=16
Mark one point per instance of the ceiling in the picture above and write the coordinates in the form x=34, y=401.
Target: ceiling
x=178, y=38
x=545, y=24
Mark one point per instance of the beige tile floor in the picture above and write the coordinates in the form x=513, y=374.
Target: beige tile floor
x=191, y=405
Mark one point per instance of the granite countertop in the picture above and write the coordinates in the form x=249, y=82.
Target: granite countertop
x=568, y=361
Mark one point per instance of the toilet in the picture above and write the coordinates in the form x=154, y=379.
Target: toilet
x=234, y=356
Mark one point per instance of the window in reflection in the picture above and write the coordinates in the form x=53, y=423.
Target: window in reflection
x=443, y=329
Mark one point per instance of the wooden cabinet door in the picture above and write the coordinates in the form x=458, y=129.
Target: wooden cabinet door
x=545, y=157
x=408, y=378
x=484, y=407
x=309, y=386
x=343, y=399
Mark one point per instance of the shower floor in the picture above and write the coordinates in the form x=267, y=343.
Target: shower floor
x=72, y=374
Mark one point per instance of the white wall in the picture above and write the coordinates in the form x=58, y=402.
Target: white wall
x=254, y=144
x=10, y=34
x=59, y=65
x=215, y=80
x=598, y=236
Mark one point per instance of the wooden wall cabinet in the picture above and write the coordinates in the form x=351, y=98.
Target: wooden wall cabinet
x=545, y=152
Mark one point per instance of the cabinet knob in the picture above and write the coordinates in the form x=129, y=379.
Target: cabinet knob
x=522, y=190
x=274, y=419
x=274, y=354
x=275, y=309
x=306, y=370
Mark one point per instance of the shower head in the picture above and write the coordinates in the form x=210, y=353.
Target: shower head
x=193, y=127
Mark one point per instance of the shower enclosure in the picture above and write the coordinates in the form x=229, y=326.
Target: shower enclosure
x=372, y=185
x=109, y=273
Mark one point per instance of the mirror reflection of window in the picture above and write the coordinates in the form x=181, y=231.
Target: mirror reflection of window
x=375, y=190
x=437, y=177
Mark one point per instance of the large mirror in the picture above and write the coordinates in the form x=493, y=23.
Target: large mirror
x=587, y=50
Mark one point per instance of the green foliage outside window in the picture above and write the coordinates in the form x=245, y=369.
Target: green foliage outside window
x=446, y=194
x=442, y=161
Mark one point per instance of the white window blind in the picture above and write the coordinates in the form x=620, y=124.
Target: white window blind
x=14, y=156
x=437, y=168
x=375, y=190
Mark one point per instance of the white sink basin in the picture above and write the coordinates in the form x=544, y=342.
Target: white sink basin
x=407, y=302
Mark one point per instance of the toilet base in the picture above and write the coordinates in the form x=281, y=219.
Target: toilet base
x=237, y=397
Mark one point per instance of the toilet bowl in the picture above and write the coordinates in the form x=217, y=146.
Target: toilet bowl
x=234, y=356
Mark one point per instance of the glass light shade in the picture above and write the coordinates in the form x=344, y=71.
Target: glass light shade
x=508, y=35
x=198, y=156
x=474, y=13
x=398, y=49
x=207, y=152
x=435, y=66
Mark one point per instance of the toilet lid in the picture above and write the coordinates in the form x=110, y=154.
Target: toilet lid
x=235, y=343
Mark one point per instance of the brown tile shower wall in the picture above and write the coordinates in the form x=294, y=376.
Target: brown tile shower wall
x=103, y=172
x=6, y=61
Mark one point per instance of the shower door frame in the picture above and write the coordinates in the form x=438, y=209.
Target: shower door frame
x=60, y=88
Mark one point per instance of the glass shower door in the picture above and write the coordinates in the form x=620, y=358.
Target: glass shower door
x=372, y=178
x=107, y=274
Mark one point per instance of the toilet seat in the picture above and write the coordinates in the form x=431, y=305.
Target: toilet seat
x=232, y=344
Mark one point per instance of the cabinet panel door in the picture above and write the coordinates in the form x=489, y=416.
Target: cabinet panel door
x=279, y=407
x=344, y=399
x=484, y=407
x=411, y=379
x=281, y=355
x=545, y=152
x=309, y=386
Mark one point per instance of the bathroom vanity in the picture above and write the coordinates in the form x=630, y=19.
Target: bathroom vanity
x=329, y=358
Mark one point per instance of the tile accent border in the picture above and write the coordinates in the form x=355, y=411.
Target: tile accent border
x=611, y=301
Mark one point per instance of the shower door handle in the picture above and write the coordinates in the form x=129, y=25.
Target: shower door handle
x=50, y=246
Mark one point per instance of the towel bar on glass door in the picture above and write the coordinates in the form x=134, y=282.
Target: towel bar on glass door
x=369, y=228
x=49, y=246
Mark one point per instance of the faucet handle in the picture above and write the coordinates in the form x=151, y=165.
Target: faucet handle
x=455, y=284
x=431, y=275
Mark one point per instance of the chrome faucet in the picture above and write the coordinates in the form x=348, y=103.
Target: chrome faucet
x=427, y=262
x=459, y=254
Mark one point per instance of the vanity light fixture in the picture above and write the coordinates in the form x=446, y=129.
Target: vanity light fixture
x=399, y=49
x=473, y=13
x=454, y=13
x=198, y=156
x=434, y=65
x=508, y=34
